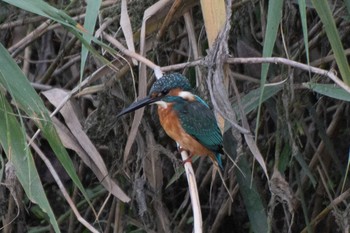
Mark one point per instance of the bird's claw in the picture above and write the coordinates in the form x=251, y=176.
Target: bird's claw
x=188, y=160
x=180, y=149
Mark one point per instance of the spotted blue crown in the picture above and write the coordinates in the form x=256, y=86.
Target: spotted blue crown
x=171, y=81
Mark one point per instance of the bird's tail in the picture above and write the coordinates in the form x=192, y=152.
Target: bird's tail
x=218, y=164
x=219, y=161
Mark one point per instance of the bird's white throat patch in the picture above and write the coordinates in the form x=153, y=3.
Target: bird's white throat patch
x=162, y=104
x=186, y=95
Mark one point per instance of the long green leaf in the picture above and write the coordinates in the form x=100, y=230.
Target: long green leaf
x=92, y=10
x=28, y=100
x=252, y=201
x=347, y=4
x=251, y=197
x=251, y=101
x=42, y=8
x=302, y=10
x=325, y=14
x=13, y=141
x=329, y=90
x=274, y=16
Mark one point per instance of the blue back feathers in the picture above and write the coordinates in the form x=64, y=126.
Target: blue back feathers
x=199, y=121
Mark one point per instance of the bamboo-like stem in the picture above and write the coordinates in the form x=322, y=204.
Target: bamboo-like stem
x=192, y=187
x=328, y=73
x=258, y=60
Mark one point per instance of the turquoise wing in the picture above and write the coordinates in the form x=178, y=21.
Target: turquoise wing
x=199, y=121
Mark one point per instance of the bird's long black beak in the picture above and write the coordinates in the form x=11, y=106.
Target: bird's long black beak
x=139, y=104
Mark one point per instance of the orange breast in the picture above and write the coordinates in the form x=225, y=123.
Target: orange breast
x=172, y=126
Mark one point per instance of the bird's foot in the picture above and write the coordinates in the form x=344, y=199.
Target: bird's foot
x=189, y=159
x=180, y=149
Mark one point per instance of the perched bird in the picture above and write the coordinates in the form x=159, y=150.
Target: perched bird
x=185, y=117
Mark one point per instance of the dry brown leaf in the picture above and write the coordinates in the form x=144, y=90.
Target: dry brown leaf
x=76, y=139
x=127, y=29
x=168, y=18
x=152, y=164
x=142, y=76
x=214, y=14
x=281, y=189
x=256, y=152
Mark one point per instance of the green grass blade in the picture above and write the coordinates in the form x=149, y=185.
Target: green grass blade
x=302, y=10
x=325, y=14
x=347, y=4
x=28, y=100
x=13, y=141
x=252, y=201
x=329, y=90
x=179, y=172
x=42, y=8
x=92, y=10
x=251, y=101
x=274, y=17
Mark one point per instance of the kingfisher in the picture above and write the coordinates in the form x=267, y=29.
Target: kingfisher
x=184, y=116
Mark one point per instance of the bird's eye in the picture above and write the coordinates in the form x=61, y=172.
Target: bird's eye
x=162, y=93
x=165, y=92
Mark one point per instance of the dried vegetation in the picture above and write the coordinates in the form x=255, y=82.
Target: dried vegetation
x=302, y=135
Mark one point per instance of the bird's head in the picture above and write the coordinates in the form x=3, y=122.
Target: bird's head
x=169, y=85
